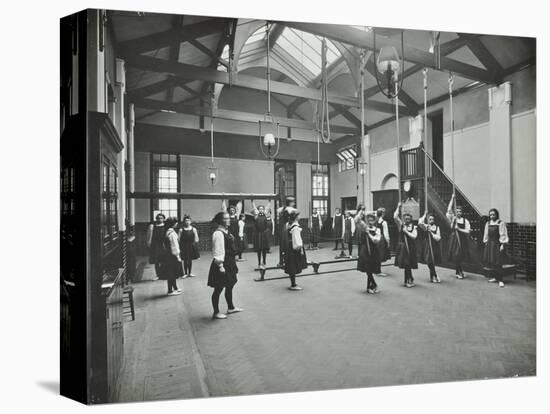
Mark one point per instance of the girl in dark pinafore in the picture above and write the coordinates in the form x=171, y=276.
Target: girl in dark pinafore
x=495, y=237
x=459, y=240
x=349, y=232
x=189, y=238
x=315, y=225
x=262, y=233
x=295, y=254
x=384, y=245
x=431, y=250
x=223, y=270
x=155, y=240
x=405, y=254
x=368, y=260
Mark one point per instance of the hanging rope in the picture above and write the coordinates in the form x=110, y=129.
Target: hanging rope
x=398, y=142
x=451, y=81
x=325, y=117
x=212, y=130
x=425, y=130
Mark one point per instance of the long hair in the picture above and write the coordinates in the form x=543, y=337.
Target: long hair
x=293, y=215
x=170, y=222
x=218, y=218
x=497, y=214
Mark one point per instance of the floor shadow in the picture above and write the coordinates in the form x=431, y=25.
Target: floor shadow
x=51, y=386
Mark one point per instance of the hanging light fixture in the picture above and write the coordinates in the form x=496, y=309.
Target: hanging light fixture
x=271, y=139
x=212, y=170
x=389, y=68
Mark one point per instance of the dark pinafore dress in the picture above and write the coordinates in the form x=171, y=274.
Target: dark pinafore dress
x=262, y=231
x=187, y=239
x=492, y=256
x=348, y=237
x=383, y=245
x=369, y=259
x=234, y=226
x=157, y=242
x=338, y=223
x=217, y=279
x=315, y=228
x=405, y=254
x=458, y=244
x=295, y=260
x=431, y=249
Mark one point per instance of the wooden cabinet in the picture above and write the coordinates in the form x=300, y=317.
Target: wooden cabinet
x=114, y=339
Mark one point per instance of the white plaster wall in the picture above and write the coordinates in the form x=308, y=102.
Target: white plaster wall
x=343, y=184
x=524, y=167
x=234, y=176
x=472, y=154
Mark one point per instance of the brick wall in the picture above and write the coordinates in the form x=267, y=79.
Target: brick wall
x=522, y=246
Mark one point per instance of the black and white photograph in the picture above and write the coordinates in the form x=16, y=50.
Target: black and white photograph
x=272, y=207
x=278, y=206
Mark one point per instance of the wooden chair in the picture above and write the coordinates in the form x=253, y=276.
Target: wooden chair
x=128, y=301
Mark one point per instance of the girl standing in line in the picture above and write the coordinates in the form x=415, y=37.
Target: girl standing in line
x=262, y=232
x=315, y=225
x=349, y=231
x=295, y=257
x=241, y=242
x=234, y=213
x=189, y=237
x=405, y=255
x=460, y=238
x=431, y=250
x=223, y=270
x=384, y=252
x=495, y=237
x=155, y=240
x=171, y=260
x=368, y=260
x=338, y=228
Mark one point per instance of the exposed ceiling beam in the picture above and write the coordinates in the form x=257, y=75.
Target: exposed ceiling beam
x=209, y=52
x=364, y=40
x=166, y=38
x=190, y=72
x=151, y=89
x=520, y=66
x=482, y=53
x=274, y=34
x=348, y=115
x=315, y=83
x=174, y=52
x=231, y=115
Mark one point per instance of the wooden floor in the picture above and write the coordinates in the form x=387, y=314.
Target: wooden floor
x=330, y=335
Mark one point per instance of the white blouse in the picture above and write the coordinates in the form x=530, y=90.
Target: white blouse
x=218, y=245
x=296, y=235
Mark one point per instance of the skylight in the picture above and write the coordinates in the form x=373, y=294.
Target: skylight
x=306, y=49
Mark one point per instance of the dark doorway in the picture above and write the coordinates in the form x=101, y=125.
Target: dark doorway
x=437, y=136
x=349, y=203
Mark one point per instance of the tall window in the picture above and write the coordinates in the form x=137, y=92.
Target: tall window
x=347, y=158
x=109, y=198
x=165, y=179
x=285, y=178
x=320, y=188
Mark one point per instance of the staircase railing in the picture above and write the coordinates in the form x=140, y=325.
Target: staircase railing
x=413, y=168
x=442, y=185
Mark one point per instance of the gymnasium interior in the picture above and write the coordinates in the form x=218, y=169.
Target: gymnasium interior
x=174, y=114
